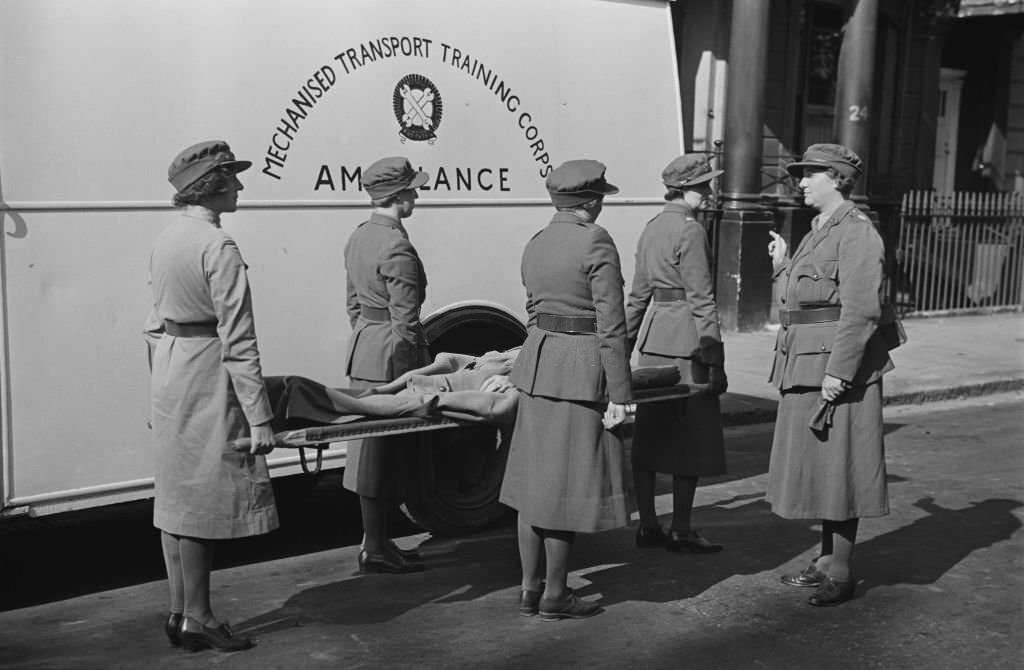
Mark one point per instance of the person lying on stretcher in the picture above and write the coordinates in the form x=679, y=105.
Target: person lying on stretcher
x=457, y=372
x=457, y=386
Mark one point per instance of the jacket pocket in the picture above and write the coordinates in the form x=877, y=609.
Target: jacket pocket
x=813, y=338
x=816, y=281
x=671, y=332
x=808, y=348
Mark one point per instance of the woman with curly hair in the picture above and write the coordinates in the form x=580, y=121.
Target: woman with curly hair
x=207, y=390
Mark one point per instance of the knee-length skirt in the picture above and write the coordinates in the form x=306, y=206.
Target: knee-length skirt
x=564, y=470
x=202, y=487
x=381, y=467
x=682, y=437
x=838, y=474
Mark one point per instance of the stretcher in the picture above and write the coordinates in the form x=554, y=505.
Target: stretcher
x=320, y=437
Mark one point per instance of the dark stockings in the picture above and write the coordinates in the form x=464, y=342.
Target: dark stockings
x=684, y=489
x=375, y=524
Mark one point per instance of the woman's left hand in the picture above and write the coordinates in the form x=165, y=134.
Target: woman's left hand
x=613, y=415
x=832, y=388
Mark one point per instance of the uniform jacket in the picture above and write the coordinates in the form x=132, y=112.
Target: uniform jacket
x=839, y=264
x=384, y=271
x=198, y=276
x=571, y=268
x=673, y=253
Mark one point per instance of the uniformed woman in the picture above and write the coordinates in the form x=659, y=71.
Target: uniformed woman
x=565, y=471
x=207, y=390
x=828, y=460
x=672, y=286
x=386, y=286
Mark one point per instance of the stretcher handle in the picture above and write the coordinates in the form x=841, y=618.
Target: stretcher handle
x=282, y=439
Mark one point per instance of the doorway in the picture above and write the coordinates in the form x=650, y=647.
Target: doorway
x=947, y=123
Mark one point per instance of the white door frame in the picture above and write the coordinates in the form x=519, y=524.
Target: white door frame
x=947, y=126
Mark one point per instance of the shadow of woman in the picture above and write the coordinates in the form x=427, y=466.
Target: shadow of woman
x=755, y=539
x=608, y=562
x=928, y=548
x=462, y=570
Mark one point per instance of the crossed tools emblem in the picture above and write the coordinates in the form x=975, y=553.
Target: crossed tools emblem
x=417, y=106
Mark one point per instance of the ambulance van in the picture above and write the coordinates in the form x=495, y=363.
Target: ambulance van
x=487, y=96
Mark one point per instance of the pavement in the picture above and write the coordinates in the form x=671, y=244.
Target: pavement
x=944, y=357
x=945, y=568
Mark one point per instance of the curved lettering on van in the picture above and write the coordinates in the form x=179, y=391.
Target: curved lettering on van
x=418, y=115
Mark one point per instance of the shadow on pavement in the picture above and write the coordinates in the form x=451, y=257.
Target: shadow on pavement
x=465, y=570
x=928, y=548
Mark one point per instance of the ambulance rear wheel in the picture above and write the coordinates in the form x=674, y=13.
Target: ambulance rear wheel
x=460, y=470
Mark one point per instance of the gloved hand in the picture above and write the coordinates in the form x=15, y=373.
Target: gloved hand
x=717, y=381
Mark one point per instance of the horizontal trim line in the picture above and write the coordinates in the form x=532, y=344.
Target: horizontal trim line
x=83, y=206
x=147, y=483
x=86, y=492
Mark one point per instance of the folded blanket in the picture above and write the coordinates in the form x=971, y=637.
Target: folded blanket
x=299, y=402
x=654, y=376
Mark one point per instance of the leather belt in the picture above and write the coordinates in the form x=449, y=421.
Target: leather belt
x=195, y=329
x=669, y=294
x=567, y=324
x=814, y=315
x=376, y=314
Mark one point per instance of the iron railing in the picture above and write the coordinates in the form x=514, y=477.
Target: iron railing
x=959, y=252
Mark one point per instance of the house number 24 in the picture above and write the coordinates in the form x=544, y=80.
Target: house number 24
x=858, y=112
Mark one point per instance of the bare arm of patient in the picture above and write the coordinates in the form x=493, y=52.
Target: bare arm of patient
x=444, y=363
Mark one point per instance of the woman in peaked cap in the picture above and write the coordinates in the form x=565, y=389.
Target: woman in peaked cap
x=828, y=458
x=565, y=471
x=672, y=286
x=385, y=288
x=207, y=390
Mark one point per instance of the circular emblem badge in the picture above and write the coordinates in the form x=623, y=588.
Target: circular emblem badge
x=417, y=104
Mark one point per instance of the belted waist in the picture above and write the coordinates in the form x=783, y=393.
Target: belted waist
x=194, y=329
x=789, y=317
x=669, y=294
x=558, y=323
x=377, y=314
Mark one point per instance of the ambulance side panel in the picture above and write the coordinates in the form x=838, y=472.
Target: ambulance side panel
x=97, y=97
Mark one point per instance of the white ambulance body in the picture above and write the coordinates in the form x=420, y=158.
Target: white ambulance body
x=98, y=96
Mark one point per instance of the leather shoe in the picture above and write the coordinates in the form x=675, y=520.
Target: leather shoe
x=810, y=576
x=569, y=606
x=833, y=592
x=407, y=554
x=695, y=543
x=196, y=636
x=529, y=602
x=172, y=627
x=650, y=537
x=386, y=562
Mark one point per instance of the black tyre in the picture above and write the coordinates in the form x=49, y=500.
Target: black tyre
x=461, y=469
